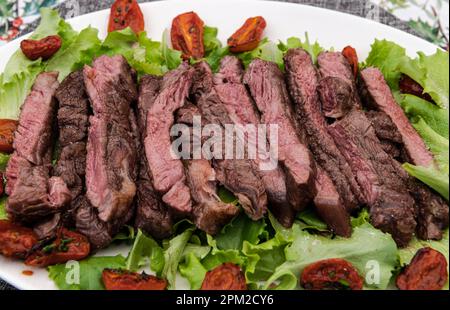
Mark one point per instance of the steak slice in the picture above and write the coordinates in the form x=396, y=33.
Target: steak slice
x=377, y=96
x=387, y=133
x=167, y=171
x=33, y=195
x=111, y=165
x=268, y=89
x=381, y=178
x=237, y=175
x=152, y=215
x=329, y=205
x=302, y=81
x=241, y=109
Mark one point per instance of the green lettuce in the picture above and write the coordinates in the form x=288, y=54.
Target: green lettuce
x=85, y=274
x=266, y=50
x=434, y=178
x=3, y=214
x=145, y=252
x=314, y=49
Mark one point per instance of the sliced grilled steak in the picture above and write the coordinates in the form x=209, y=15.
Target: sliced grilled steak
x=33, y=195
x=111, y=166
x=168, y=174
x=302, y=81
x=387, y=133
x=377, y=95
x=268, y=89
x=240, y=107
x=152, y=216
x=381, y=178
x=237, y=175
x=329, y=205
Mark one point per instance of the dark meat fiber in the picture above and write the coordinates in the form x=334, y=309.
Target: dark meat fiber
x=111, y=162
x=268, y=89
x=381, y=178
x=237, y=175
x=167, y=171
x=33, y=195
x=242, y=111
x=152, y=216
x=303, y=82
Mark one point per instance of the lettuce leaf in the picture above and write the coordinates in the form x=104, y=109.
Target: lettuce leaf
x=435, y=179
x=85, y=274
x=370, y=251
x=266, y=50
x=145, y=251
x=314, y=49
x=3, y=214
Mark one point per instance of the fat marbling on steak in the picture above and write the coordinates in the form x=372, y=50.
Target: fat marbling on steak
x=302, y=80
x=267, y=87
x=33, y=194
x=242, y=110
x=111, y=162
x=152, y=215
x=168, y=174
x=237, y=175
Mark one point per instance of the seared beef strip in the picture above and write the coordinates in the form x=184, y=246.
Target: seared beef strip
x=111, y=162
x=268, y=89
x=33, y=195
x=152, y=216
x=209, y=212
x=432, y=214
x=168, y=174
x=387, y=132
x=330, y=206
x=237, y=175
x=241, y=109
x=381, y=178
x=302, y=81
x=377, y=95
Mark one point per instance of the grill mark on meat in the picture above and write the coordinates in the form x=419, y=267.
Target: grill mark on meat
x=302, y=82
x=111, y=150
x=152, y=216
x=240, y=107
x=330, y=206
x=237, y=175
x=392, y=209
x=266, y=84
x=168, y=173
x=377, y=95
x=209, y=212
x=33, y=194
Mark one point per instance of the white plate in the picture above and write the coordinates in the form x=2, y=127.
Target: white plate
x=330, y=28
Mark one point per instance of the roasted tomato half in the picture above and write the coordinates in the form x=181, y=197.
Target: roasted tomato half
x=126, y=13
x=7, y=129
x=225, y=277
x=248, y=36
x=16, y=241
x=187, y=35
x=331, y=274
x=352, y=57
x=125, y=280
x=427, y=271
x=67, y=246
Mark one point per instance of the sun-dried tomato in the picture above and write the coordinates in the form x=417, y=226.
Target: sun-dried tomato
x=248, y=36
x=225, y=277
x=7, y=129
x=187, y=35
x=16, y=241
x=44, y=48
x=427, y=271
x=331, y=274
x=114, y=279
x=352, y=58
x=126, y=13
x=409, y=86
x=68, y=245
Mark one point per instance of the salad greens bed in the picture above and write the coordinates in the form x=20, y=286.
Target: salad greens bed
x=270, y=255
